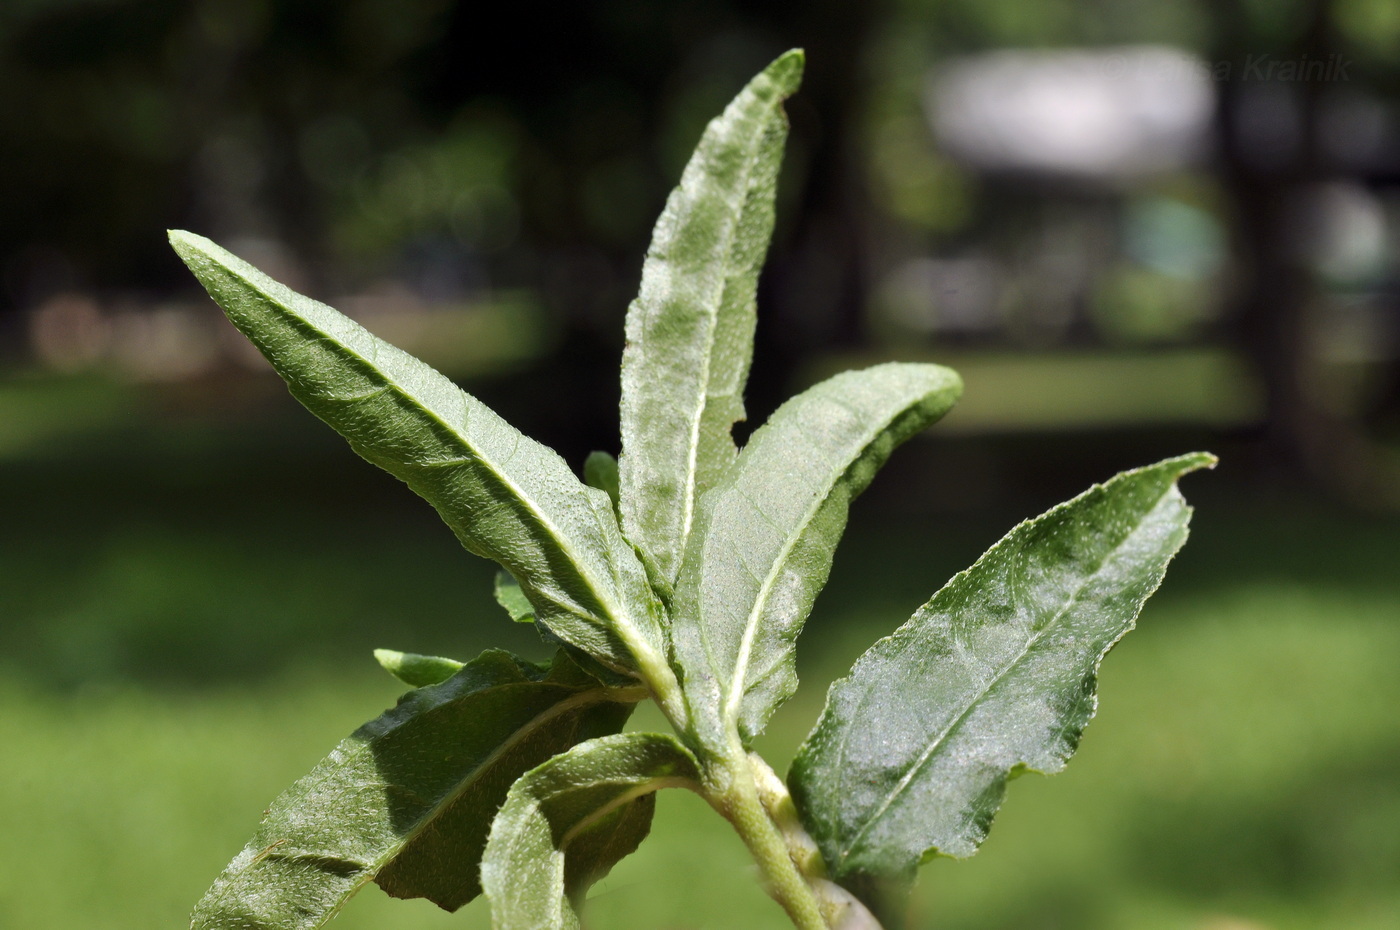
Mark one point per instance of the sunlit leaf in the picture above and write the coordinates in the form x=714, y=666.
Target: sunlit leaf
x=769, y=529
x=690, y=330
x=507, y=497
x=994, y=676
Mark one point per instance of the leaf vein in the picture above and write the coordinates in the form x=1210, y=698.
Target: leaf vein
x=971, y=704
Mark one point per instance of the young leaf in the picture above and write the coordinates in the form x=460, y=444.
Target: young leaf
x=600, y=471
x=690, y=330
x=507, y=497
x=993, y=677
x=509, y=596
x=417, y=670
x=770, y=527
x=407, y=800
x=566, y=823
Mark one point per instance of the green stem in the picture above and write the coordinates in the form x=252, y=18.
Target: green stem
x=839, y=907
x=773, y=794
x=739, y=802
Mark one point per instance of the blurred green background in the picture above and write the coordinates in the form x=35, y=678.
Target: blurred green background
x=1137, y=229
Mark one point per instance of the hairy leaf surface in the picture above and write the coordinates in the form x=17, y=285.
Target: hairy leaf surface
x=769, y=529
x=566, y=823
x=690, y=330
x=994, y=676
x=507, y=497
x=407, y=801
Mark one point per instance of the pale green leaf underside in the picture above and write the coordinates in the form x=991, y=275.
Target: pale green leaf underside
x=566, y=823
x=994, y=676
x=507, y=497
x=690, y=330
x=767, y=533
x=407, y=800
x=417, y=670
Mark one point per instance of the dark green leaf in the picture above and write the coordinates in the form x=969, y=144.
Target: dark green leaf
x=507, y=497
x=600, y=471
x=994, y=676
x=407, y=801
x=417, y=670
x=566, y=823
x=690, y=330
x=768, y=531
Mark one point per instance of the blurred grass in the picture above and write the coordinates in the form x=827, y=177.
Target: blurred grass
x=187, y=612
x=35, y=411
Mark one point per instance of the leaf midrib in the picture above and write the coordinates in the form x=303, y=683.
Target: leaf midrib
x=734, y=700
x=568, y=705
x=698, y=416
x=370, y=870
x=640, y=789
x=621, y=618
x=962, y=716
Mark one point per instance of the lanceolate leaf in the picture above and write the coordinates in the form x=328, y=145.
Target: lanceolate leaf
x=417, y=670
x=769, y=529
x=690, y=330
x=507, y=497
x=994, y=676
x=407, y=801
x=565, y=824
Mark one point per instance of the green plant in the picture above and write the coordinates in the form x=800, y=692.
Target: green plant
x=681, y=574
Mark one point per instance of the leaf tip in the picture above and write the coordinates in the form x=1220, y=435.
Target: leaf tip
x=186, y=244
x=1183, y=465
x=955, y=380
x=417, y=670
x=198, y=253
x=509, y=595
x=786, y=71
x=600, y=471
x=1198, y=460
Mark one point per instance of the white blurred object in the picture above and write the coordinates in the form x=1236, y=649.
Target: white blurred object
x=1342, y=229
x=1095, y=114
